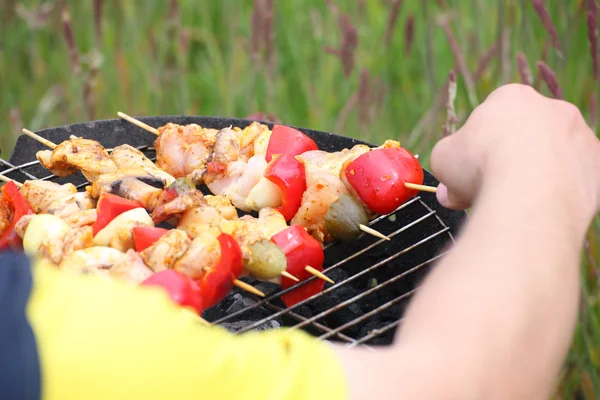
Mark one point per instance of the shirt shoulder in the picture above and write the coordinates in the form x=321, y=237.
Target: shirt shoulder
x=103, y=339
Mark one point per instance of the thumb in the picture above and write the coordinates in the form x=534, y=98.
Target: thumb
x=450, y=201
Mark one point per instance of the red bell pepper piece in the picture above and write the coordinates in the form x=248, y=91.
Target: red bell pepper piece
x=146, y=236
x=218, y=280
x=19, y=206
x=109, y=207
x=181, y=288
x=378, y=178
x=301, y=250
x=286, y=140
x=290, y=175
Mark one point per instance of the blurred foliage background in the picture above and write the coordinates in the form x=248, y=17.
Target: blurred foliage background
x=371, y=69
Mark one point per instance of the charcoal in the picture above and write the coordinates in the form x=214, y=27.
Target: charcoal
x=338, y=275
x=344, y=292
x=236, y=305
x=304, y=311
x=239, y=325
x=324, y=303
x=267, y=287
x=345, y=315
x=213, y=313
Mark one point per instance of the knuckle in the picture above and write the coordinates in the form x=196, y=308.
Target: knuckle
x=513, y=90
x=570, y=111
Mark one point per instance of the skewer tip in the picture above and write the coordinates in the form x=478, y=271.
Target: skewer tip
x=373, y=232
x=248, y=288
x=318, y=274
x=290, y=276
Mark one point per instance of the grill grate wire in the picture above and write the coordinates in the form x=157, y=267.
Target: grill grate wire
x=317, y=324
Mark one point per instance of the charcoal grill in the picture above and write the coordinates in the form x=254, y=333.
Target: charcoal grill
x=374, y=278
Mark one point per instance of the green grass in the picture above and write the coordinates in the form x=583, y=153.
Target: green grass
x=145, y=70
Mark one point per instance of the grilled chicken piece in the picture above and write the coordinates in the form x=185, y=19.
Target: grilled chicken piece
x=165, y=252
x=96, y=260
x=72, y=205
x=6, y=216
x=254, y=139
x=332, y=162
x=182, y=149
x=180, y=204
x=56, y=248
x=216, y=209
x=222, y=205
x=42, y=194
x=22, y=224
x=322, y=189
x=77, y=154
x=127, y=157
x=130, y=268
x=135, y=184
x=248, y=230
x=203, y=251
x=82, y=218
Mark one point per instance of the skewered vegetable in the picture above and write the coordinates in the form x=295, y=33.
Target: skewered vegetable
x=109, y=207
x=145, y=236
x=40, y=228
x=343, y=218
x=301, y=250
x=181, y=288
x=289, y=174
x=218, y=280
x=118, y=232
x=378, y=177
x=287, y=140
x=13, y=206
x=268, y=260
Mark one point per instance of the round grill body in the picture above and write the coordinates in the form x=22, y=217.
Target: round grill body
x=374, y=278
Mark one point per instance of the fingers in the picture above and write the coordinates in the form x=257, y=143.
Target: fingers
x=452, y=165
x=450, y=201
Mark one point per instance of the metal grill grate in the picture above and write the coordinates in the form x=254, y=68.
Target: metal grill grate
x=374, y=278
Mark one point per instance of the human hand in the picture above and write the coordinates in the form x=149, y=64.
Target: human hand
x=517, y=135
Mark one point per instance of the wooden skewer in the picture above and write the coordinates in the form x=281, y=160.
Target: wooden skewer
x=290, y=276
x=40, y=139
x=373, y=232
x=318, y=274
x=138, y=123
x=243, y=285
x=248, y=288
x=422, y=188
x=7, y=179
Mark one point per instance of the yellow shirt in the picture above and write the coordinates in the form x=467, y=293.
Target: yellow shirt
x=99, y=339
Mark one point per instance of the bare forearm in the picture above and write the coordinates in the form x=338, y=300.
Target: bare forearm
x=494, y=319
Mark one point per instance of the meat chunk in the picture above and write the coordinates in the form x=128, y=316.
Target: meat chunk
x=6, y=216
x=42, y=194
x=95, y=260
x=127, y=157
x=130, y=268
x=72, y=155
x=181, y=149
x=56, y=248
x=82, y=218
x=72, y=204
x=203, y=251
x=136, y=184
x=165, y=252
